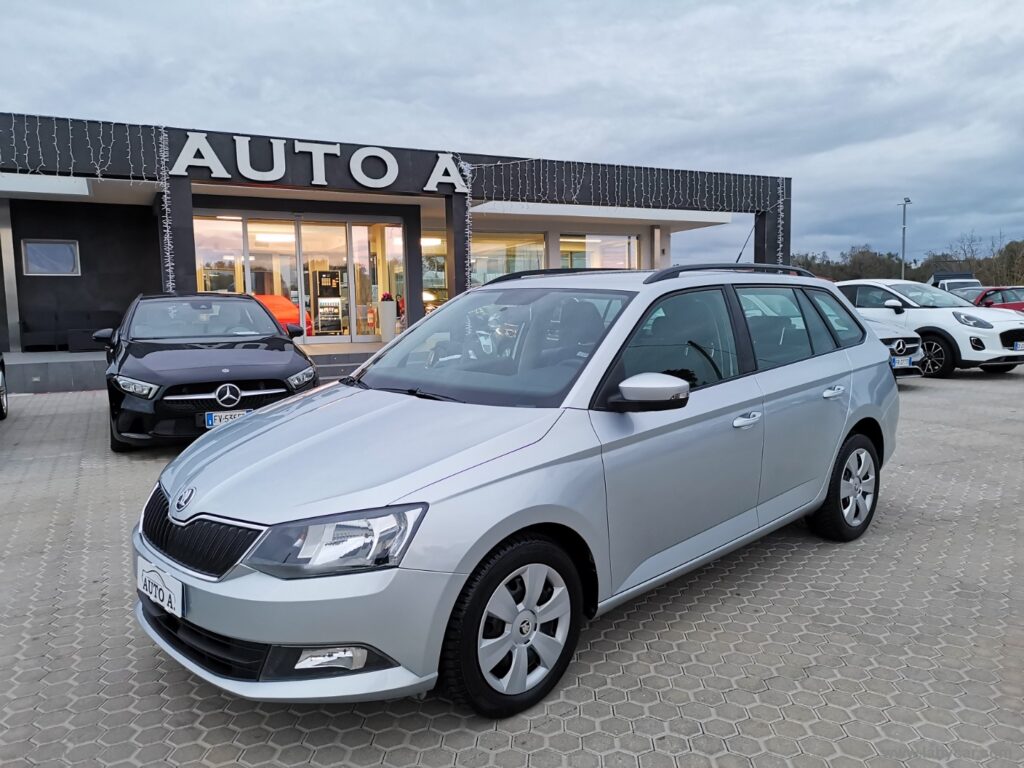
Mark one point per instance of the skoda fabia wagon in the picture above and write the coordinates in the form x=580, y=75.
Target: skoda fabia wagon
x=532, y=454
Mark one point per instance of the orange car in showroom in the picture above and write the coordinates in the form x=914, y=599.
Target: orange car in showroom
x=283, y=310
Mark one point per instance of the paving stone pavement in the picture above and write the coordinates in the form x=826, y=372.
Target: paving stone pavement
x=904, y=648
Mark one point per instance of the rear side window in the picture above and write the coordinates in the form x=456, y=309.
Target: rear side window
x=843, y=324
x=777, y=327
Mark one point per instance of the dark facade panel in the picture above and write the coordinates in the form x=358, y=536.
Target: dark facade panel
x=119, y=254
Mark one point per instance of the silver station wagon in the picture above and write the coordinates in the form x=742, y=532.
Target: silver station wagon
x=535, y=452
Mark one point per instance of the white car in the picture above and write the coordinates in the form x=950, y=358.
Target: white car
x=905, y=352
x=954, y=333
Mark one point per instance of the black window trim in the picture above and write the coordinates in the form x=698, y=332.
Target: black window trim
x=744, y=349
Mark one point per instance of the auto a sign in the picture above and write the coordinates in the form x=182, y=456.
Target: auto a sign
x=321, y=164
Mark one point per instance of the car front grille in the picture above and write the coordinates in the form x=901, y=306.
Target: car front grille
x=223, y=656
x=210, y=404
x=198, y=398
x=205, y=546
x=910, y=347
x=1009, y=338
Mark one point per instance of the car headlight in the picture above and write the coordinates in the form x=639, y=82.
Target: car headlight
x=345, y=543
x=972, y=321
x=135, y=387
x=301, y=378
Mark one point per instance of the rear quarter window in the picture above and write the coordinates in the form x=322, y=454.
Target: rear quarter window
x=843, y=324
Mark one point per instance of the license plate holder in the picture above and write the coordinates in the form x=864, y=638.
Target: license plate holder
x=1018, y=346
x=899, y=362
x=160, y=587
x=216, y=418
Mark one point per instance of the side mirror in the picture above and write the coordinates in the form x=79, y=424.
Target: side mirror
x=650, y=392
x=988, y=303
x=103, y=336
x=294, y=331
x=895, y=305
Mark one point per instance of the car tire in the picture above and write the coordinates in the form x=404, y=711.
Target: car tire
x=939, y=357
x=116, y=445
x=4, y=401
x=499, y=665
x=1000, y=368
x=852, y=492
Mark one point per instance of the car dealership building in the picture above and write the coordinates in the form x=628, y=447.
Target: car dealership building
x=93, y=213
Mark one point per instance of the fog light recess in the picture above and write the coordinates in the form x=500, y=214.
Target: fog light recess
x=350, y=657
x=977, y=343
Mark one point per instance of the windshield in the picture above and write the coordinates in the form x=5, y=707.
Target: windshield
x=156, y=319
x=929, y=296
x=968, y=293
x=516, y=347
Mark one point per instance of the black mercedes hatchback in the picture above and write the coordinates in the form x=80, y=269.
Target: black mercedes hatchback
x=181, y=365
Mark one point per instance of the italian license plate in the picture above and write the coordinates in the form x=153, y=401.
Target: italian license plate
x=216, y=418
x=899, y=362
x=1018, y=346
x=160, y=587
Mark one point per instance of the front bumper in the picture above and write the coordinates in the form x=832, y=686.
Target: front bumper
x=138, y=421
x=400, y=613
x=993, y=349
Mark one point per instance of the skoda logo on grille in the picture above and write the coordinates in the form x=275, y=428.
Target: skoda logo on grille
x=899, y=347
x=228, y=395
x=184, y=498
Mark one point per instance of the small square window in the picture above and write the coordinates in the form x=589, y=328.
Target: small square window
x=51, y=258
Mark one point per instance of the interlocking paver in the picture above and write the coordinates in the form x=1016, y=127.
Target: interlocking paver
x=902, y=649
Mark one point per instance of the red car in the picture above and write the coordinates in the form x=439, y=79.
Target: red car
x=1004, y=297
x=283, y=310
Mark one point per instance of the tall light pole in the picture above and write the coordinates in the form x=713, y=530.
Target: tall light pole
x=903, y=245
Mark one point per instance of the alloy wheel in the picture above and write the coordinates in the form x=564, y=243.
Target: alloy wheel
x=524, y=629
x=934, y=357
x=857, y=487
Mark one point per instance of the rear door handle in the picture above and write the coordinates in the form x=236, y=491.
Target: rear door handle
x=835, y=391
x=746, y=420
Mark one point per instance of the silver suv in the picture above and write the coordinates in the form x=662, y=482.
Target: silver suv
x=532, y=454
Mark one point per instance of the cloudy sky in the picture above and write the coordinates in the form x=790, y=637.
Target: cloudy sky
x=860, y=103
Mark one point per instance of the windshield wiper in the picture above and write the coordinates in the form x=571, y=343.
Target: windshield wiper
x=352, y=381
x=417, y=392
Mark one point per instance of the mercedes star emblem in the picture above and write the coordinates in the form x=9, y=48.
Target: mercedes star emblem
x=228, y=395
x=899, y=347
x=184, y=498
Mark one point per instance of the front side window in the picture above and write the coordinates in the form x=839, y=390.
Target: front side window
x=515, y=347
x=929, y=296
x=843, y=324
x=872, y=297
x=50, y=258
x=163, y=319
x=688, y=335
x=778, y=329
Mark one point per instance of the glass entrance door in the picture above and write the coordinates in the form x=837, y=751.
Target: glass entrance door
x=326, y=276
x=325, y=279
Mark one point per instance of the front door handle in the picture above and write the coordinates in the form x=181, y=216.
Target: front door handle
x=746, y=420
x=835, y=391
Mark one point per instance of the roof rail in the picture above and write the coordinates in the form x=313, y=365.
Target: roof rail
x=542, y=272
x=779, y=269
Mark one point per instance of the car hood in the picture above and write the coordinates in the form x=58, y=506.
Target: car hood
x=994, y=315
x=339, y=448
x=183, y=362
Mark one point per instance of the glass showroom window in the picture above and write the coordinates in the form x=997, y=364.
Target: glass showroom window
x=435, y=276
x=50, y=258
x=219, y=254
x=593, y=251
x=495, y=254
